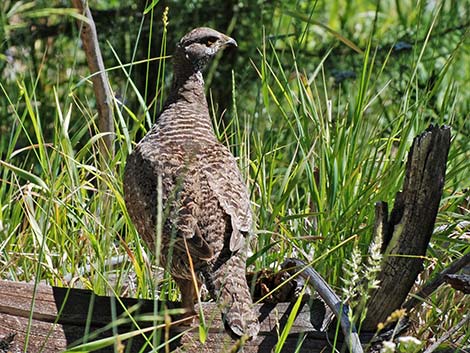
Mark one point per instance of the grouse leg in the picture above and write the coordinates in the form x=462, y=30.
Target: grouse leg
x=188, y=296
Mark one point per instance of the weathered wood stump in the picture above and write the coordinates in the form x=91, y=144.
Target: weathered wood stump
x=407, y=231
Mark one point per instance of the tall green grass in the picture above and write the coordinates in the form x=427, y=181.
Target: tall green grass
x=316, y=155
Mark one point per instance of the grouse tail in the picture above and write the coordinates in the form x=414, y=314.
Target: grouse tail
x=234, y=296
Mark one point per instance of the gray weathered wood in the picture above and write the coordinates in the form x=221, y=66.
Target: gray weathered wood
x=298, y=267
x=104, y=97
x=60, y=317
x=410, y=226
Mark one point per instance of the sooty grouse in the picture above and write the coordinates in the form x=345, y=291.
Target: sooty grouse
x=206, y=209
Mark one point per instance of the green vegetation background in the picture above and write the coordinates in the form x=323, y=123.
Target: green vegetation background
x=320, y=103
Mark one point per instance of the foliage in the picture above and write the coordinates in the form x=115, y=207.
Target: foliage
x=322, y=132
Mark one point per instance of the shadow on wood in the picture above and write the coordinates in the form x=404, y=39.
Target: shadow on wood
x=62, y=317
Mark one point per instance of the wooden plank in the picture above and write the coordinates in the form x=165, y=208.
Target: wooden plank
x=79, y=307
x=43, y=336
x=60, y=317
x=50, y=338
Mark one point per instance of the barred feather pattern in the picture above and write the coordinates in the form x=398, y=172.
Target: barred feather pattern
x=206, y=207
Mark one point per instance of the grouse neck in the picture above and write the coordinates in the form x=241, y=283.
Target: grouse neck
x=188, y=83
x=186, y=111
x=188, y=86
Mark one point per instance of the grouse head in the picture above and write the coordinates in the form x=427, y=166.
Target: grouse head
x=200, y=45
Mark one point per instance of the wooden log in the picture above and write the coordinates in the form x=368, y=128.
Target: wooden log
x=407, y=232
x=51, y=319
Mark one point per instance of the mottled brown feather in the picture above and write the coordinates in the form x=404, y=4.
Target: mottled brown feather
x=206, y=205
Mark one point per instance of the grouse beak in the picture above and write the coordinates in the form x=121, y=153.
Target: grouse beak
x=230, y=42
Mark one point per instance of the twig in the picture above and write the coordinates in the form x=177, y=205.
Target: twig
x=85, y=270
x=448, y=334
x=104, y=97
x=329, y=296
x=437, y=281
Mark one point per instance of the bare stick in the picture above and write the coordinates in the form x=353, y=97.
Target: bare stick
x=329, y=296
x=448, y=334
x=429, y=288
x=104, y=97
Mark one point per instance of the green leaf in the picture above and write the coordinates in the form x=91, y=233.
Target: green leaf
x=202, y=333
x=289, y=323
x=34, y=179
x=109, y=341
x=151, y=6
x=337, y=35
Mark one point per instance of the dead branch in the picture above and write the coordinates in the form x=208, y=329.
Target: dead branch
x=104, y=97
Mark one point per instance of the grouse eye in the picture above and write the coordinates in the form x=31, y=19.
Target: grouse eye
x=208, y=41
